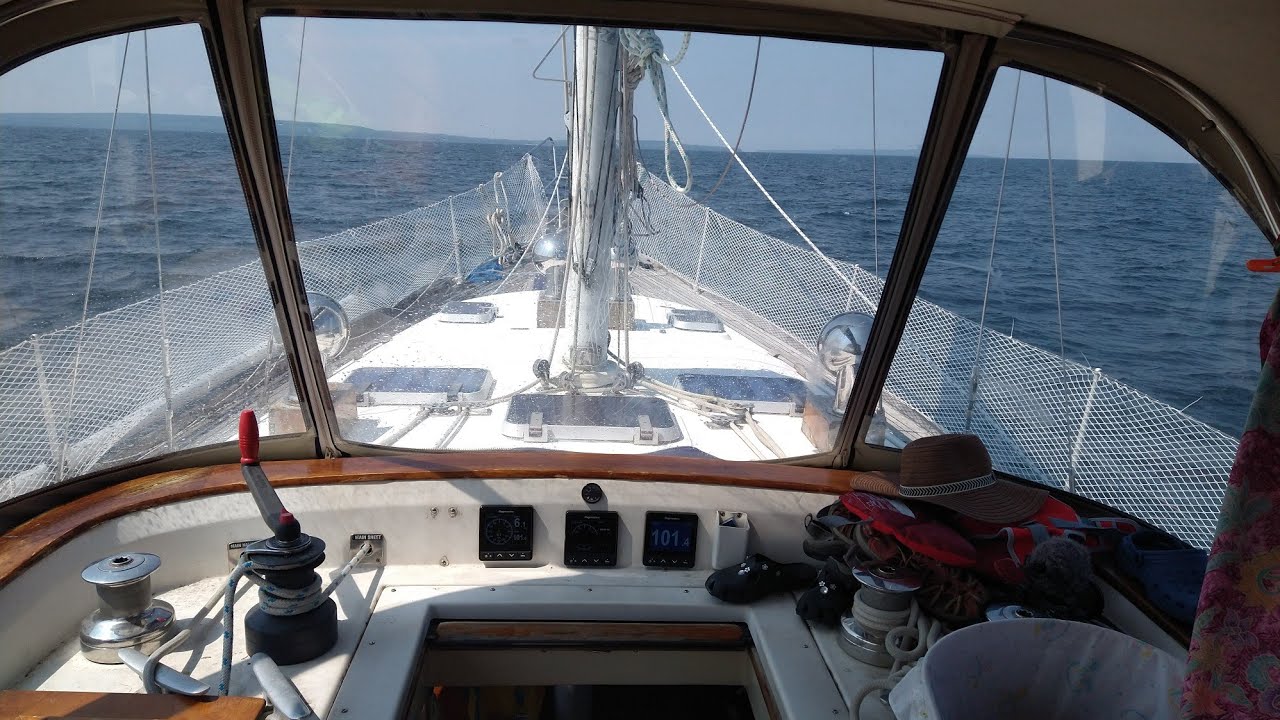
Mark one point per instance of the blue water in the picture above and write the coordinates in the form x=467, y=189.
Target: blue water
x=1150, y=255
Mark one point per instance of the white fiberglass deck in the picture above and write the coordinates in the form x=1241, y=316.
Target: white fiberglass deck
x=510, y=344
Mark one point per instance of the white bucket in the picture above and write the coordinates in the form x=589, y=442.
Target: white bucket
x=1042, y=669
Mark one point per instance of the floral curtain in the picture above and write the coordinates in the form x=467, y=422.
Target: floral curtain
x=1234, y=666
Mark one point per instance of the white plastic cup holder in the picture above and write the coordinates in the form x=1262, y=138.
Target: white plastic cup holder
x=729, y=546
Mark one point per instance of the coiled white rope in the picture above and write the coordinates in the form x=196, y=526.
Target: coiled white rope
x=645, y=50
x=908, y=636
x=274, y=600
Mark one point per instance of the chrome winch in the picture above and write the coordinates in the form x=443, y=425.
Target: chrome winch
x=882, y=602
x=127, y=615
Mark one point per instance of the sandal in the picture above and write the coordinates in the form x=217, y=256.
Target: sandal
x=832, y=596
x=1170, y=571
x=757, y=577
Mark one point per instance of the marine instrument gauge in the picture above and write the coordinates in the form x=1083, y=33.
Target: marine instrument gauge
x=590, y=539
x=506, y=533
x=670, y=539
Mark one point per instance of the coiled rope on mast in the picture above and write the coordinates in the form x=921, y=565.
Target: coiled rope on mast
x=645, y=50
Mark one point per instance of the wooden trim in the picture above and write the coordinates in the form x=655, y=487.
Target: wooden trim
x=50, y=705
x=762, y=681
x=497, y=634
x=27, y=543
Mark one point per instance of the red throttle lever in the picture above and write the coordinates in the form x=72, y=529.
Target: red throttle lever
x=248, y=438
x=282, y=523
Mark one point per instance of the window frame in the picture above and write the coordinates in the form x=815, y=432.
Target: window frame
x=233, y=44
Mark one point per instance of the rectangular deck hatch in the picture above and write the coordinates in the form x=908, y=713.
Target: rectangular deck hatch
x=772, y=394
x=467, y=312
x=540, y=417
x=697, y=320
x=420, y=386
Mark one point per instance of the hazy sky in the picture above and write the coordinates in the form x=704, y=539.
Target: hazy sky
x=475, y=79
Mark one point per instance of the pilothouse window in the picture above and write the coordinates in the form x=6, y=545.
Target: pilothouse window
x=1090, y=319
x=642, y=260
x=134, y=314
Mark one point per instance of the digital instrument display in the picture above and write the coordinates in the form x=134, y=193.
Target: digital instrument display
x=670, y=539
x=506, y=533
x=590, y=539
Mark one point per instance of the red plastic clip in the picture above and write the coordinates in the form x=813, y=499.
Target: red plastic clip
x=1264, y=265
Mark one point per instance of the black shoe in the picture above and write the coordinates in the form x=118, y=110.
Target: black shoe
x=757, y=577
x=833, y=595
x=827, y=538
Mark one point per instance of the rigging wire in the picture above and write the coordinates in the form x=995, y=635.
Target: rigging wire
x=751, y=92
x=875, y=197
x=975, y=376
x=1053, y=232
x=93, y=251
x=166, y=368
x=1069, y=481
x=759, y=186
x=293, y=123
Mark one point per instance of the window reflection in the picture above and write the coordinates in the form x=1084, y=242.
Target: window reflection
x=483, y=314
x=1094, y=325
x=134, y=316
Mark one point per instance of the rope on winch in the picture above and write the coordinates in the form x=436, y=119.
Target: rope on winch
x=975, y=377
x=273, y=600
x=645, y=49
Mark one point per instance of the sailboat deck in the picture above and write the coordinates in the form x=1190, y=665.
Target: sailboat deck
x=664, y=351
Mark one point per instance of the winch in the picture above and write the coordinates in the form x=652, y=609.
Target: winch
x=882, y=603
x=127, y=615
x=294, y=620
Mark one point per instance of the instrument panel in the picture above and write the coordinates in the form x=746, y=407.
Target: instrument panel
x=506, y=533
x=591, y=538
x=670, y=539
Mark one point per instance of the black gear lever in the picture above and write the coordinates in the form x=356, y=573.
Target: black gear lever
x=282, y=523
x=280, y=626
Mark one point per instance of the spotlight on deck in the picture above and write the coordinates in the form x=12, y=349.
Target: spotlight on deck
x=550, y=246
x=330, y=323
x=840, y=346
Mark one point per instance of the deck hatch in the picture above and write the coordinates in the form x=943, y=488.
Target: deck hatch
x=764, y=393
x=420, y=386
x=697, y=320
x=467, y=312
x=540, y=417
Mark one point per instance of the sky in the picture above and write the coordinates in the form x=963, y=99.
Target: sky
x=474, y=79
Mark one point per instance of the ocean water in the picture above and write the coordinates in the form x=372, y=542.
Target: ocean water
x=1149, y=255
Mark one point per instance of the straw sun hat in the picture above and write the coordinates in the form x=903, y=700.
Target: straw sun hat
x=954, y=471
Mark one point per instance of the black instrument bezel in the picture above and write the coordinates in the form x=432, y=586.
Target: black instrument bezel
x=605, y=552
x=514, y=551
x=653, y=557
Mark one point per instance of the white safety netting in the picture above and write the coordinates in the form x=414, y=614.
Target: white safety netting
x=1042, y=418
x=83, y=398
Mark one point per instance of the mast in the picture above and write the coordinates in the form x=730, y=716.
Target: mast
x=597, y=202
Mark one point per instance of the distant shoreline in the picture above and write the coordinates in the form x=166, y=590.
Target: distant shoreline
x=163, y=122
